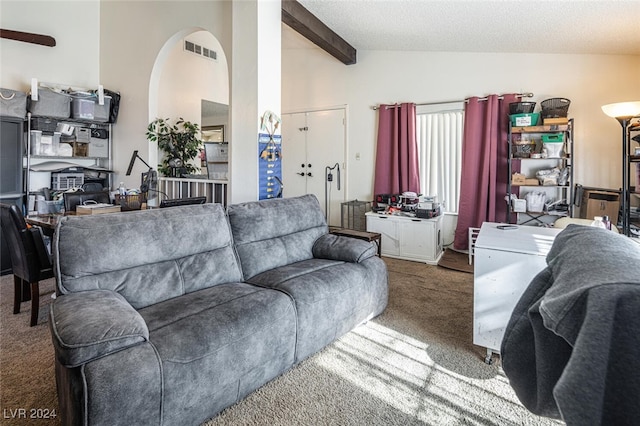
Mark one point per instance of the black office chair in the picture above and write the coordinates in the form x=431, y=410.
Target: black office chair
x=74, y=199
x=30, y=259
x=92, y=187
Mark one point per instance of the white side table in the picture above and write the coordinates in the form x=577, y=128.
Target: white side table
x=505, y=263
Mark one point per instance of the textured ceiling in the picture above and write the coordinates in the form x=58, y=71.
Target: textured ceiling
x=513, y=26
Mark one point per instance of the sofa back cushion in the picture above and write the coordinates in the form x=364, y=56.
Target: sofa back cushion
x=277, y=232
x=147, y=256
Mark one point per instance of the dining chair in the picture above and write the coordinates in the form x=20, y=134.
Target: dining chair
x=74, y=199
x=30, y=259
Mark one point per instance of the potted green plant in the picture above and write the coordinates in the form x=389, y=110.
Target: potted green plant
x=179, y=142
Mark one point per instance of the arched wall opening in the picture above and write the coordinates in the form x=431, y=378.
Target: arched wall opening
x=189, y=82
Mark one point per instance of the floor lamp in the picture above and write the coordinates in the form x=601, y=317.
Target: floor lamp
x=624, y=112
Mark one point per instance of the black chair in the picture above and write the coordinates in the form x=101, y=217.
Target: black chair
x=92, y=187
x=30, y=259
x=74, y=199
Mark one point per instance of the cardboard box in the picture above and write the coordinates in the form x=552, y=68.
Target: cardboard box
x=97, y=209
x=555, y=121
x=599, y=203
x=518, y=179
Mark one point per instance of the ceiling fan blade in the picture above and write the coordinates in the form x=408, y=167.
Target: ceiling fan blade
x=41, y=39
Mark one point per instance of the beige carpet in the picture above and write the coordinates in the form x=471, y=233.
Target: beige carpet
x=27, y=378
x=413, y=365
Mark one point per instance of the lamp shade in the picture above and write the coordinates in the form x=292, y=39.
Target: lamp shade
x=622, y=109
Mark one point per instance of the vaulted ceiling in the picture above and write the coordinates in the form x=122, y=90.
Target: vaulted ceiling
x=513, y=26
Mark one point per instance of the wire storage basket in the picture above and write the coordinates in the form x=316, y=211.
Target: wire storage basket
x=130, y=201
x=521, y=107
x=555, y=108
x=353, y=215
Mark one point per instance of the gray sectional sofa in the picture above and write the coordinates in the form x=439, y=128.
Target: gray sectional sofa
x=168, y=316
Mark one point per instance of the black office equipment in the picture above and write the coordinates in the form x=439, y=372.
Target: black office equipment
x=149, y=180
x=182, y=201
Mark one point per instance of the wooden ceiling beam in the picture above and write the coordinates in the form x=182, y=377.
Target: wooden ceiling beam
x=304, y=22
x=41, y=39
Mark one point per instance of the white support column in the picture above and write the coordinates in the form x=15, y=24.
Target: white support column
x=255, y=88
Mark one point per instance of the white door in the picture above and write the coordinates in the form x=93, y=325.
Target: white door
x=294, y=154
x=312, y=142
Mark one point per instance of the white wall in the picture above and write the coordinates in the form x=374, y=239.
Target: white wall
x=185, y=79
x=188, y=78
x=132, y=35
x=311, y=79
x=255, y=88
x=114, y=43
x=74, y=60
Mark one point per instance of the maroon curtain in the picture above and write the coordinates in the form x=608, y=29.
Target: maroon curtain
x=484, y=165
x=397, y=152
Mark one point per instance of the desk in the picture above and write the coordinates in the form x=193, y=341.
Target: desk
x=360, y=235
x=47, y=222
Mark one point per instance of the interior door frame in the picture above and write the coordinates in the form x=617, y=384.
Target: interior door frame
x=344, y=176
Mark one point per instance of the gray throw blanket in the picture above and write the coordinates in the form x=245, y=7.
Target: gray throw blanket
x=572, y=347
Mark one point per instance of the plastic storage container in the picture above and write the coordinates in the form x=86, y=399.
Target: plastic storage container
x=46, y=144
x=82, y=105
x=524, y=120
x=49, y=207
x=85, y=106
x=552, y=137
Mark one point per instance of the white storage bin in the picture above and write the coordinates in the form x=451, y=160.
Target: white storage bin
x=46, y=144
x=49, y=207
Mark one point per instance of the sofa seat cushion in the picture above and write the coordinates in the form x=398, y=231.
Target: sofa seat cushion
x=331, y=297
x=232, y=336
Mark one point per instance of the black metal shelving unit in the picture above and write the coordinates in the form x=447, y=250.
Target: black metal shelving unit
x=565, y=192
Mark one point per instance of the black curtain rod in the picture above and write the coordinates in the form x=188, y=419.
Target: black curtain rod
x=519, y=95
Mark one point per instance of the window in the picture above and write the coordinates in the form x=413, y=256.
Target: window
x=439, y=138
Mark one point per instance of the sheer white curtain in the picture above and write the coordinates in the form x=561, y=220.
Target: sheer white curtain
x=439, y=136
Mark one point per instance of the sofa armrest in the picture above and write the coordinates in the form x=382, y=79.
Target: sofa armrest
x=347, y=249
x=91, y=324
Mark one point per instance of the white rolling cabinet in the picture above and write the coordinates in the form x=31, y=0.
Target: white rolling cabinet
x=408, y=238
x=505, y=262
